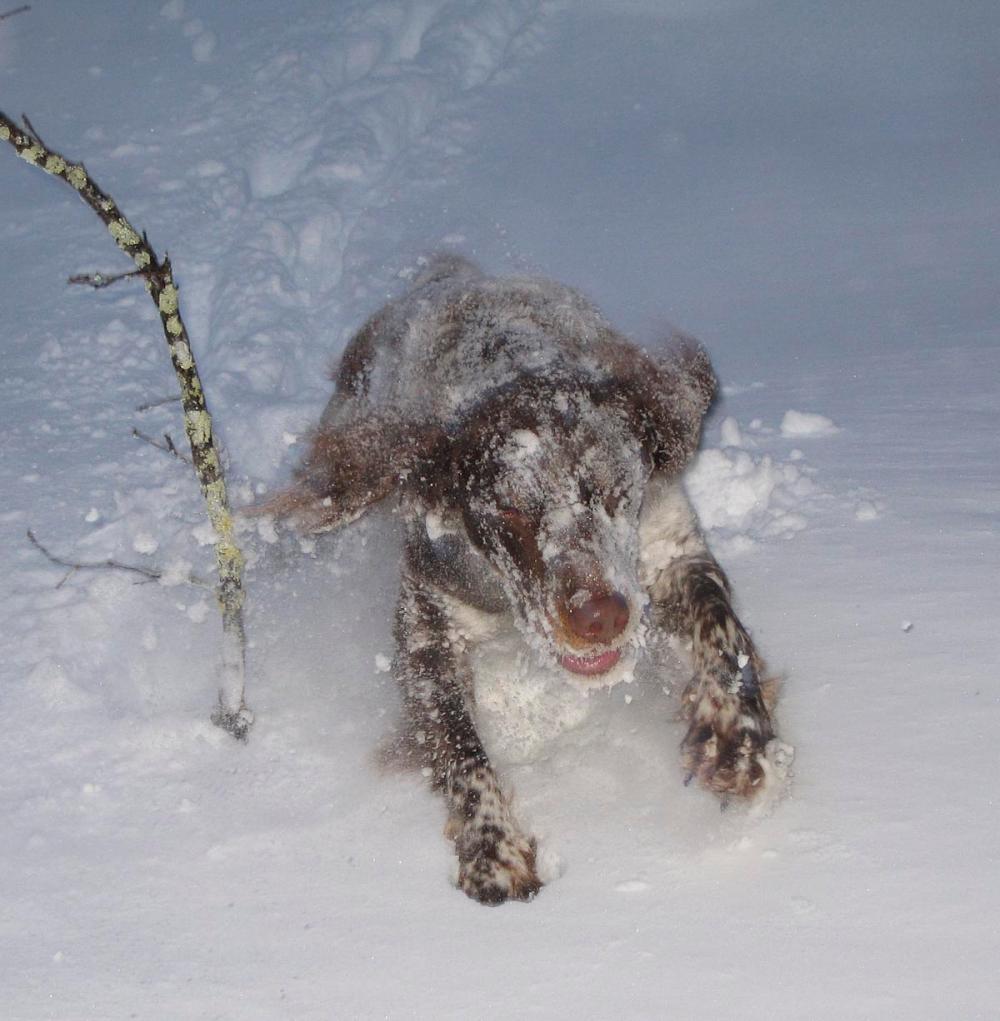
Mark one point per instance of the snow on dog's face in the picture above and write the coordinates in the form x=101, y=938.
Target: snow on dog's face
x=550, y=487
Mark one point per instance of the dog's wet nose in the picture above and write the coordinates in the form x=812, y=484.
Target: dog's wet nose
x=600, y=618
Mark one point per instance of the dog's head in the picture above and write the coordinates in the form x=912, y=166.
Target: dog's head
x=549, y=475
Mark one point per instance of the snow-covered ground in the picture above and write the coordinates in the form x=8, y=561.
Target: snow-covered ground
x=811, y=189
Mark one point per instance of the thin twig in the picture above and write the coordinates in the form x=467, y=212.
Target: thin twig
x=167, y=447
x=150, y=573
x=92, y=565
x=99, y=280
x=16, y=10
x=158, y=403
x=31, y=128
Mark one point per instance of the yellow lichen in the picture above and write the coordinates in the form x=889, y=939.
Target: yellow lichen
x=168, y=300
x=199, y=427
x=123, y=233
x=141, y=259
x=215, y=494
x=107, y=205
x=211, y=460
x=77, y=177
x=32, y=153
x=174, y=326
x=55, y=164
x=4, y=133
x=229, y=554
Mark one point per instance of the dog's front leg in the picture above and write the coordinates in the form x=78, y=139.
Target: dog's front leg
x=496, y=862
x=730, y=745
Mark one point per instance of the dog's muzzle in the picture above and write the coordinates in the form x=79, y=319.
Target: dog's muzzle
x=595, y=619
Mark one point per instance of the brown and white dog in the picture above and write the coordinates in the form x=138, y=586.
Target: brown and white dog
x=536, y=456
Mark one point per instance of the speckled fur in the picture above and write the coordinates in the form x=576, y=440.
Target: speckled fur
x=536, y=455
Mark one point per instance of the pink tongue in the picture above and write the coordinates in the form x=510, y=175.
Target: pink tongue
x=590, y=665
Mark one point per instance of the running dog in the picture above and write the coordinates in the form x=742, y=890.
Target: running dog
x=536, y=458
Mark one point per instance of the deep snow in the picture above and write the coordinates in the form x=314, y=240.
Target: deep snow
x=810, y=191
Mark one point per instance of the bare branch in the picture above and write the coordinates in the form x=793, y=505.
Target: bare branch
x=149, y=573
x=92, y=565
x=167, y=447
x=232, y=713
x=158, y=403
x=16, y=10
x=31, y=127
x=99, y=280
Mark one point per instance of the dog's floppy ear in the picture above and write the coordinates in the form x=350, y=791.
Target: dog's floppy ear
x=352, y=467
x=665, y=397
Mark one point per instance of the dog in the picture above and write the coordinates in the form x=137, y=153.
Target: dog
x=536, y=456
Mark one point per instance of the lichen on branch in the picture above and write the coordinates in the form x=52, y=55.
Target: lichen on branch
x=232, y=712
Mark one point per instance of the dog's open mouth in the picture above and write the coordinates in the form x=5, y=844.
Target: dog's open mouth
x=590, y=666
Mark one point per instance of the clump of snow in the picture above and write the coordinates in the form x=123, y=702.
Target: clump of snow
x=631, y=886
x=198, y=611
x=526, y=440
x=776, y=763
x=735, y=389
x=145, y=544
x=741, y=499
x=806, y=424
x=266, y=530
x=176, y=572
x=173, y=10
x=204, y=534
x=730, y=435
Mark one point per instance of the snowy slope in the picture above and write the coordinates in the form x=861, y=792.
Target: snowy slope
x=813, y=195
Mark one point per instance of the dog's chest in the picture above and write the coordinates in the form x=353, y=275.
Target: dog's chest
x=522, y=701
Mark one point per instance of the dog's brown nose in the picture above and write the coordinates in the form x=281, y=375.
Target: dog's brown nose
x=599, y=618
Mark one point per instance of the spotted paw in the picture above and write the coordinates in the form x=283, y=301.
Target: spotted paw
x=496, y=864
x=728, y=754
